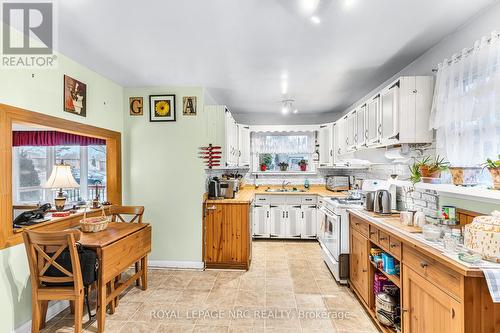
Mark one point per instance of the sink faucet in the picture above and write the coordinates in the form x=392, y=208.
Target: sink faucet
x=284, y=184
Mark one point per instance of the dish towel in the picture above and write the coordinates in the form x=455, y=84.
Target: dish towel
x=493, y=279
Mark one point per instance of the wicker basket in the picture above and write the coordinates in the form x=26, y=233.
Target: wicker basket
x=94, y=224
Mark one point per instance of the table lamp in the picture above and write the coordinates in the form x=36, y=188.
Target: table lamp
x=60, y=178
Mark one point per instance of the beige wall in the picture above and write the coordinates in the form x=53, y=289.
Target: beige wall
x=42, y=91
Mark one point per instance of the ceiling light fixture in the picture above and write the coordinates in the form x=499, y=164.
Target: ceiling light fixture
x=287, y=106
x=315, y=19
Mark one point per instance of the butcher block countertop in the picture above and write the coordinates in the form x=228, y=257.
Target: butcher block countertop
x=246, y=194
x=415, y=240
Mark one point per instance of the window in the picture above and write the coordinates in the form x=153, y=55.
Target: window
x=282, y=151
x=32, y=165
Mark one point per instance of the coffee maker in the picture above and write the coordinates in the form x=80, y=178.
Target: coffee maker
x=214, y=188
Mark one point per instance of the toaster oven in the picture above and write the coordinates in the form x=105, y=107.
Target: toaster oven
x=338, y=183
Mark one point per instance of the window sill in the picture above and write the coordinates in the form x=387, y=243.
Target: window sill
x=284, y=173
x=478, y=193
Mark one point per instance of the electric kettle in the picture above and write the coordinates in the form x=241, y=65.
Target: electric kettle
x=382, y=203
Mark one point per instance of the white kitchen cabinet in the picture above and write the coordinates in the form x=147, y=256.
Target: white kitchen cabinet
x=360, y=136
x=340, y=139
x=389, y=114
x=372, y=121
x=222, y=130
x=261, y=217
x=293, y=221
x=309, y=222
x=244, y=146
x=288, y=216
x=351, y=132
x=325, y=145
x=278, y=221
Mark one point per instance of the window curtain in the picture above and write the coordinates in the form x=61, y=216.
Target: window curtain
x=53, y=138
x=466, y=106
x=283, y=143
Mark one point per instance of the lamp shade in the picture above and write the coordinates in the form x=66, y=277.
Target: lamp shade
x=61, y=177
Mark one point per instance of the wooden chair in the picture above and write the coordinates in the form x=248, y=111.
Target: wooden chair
x=135, y=212
x=40, y=260
x=128, y=214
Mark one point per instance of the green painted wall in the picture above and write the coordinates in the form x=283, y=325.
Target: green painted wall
x=42, y=91
x=165, y=174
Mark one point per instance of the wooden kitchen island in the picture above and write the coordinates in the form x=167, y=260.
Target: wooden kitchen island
x=438, y=294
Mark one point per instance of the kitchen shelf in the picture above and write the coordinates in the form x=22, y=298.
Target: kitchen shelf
x=394, y=278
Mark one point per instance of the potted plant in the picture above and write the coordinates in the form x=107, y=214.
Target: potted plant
x=283, y=166
x=494, y=168
x=303, y=165
x=428, y=170
x=465, y=176
x=265, y=161
x=263, y=167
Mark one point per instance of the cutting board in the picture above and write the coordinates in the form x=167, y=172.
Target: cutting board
x=393, y=220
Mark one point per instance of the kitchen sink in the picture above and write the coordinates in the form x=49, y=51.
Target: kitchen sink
x=284, y=190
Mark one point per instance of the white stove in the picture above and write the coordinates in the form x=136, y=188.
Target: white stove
x=333, y=233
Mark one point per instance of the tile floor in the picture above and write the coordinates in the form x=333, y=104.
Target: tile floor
x=287, y=289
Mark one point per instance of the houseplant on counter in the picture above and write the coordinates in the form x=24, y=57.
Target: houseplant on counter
x=283, y=166
x=494, y=168
x=303, y=165
x=263, y=167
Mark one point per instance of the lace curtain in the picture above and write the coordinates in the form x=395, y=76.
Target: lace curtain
x=466, y=106
x=283, y=143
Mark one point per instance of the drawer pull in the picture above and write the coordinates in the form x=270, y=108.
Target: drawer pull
x=212, y=208
x=383, y=238
x=373, y=233
x=394, y=245
x=365, y=270
x=423, y=264
x=356, y=223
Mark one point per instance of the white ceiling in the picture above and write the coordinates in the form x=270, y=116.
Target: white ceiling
x=243, y=49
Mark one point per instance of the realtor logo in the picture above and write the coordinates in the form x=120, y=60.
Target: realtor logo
x=28, y=34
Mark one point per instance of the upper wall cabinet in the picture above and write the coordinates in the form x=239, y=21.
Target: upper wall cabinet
x=398, y=114
x=372, y=120
x=325, y=145
x=223, y=131
x=244, y=145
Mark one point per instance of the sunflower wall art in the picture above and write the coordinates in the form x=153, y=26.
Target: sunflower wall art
x=161, y=107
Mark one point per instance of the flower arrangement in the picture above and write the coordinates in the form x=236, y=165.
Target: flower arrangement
x=303, y=165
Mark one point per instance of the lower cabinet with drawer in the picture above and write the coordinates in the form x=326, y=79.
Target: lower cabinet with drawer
x=285, y=216
x=436, y=294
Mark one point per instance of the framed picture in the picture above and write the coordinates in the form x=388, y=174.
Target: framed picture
x=75, y=96
x=161, y=107
x=189, y=105
x=136, y=106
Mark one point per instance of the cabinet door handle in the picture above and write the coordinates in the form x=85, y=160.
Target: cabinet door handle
x=267, y=214
x=393, y=245
x=331, y=152
x=423, y=264
x=356, y=223
x=366, y=134
x=283, y=214
x=286, y=214
x=355, y=138
x=302, y=214
x=379, y=128
x=452, y=313
x=365, y=270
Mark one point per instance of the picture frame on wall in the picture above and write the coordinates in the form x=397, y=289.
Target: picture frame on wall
x=161, y=108
x=136, y=106
x=75, y=96
x=189, y=106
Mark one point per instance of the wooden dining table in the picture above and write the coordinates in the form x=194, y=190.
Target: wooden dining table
x=118, y=247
